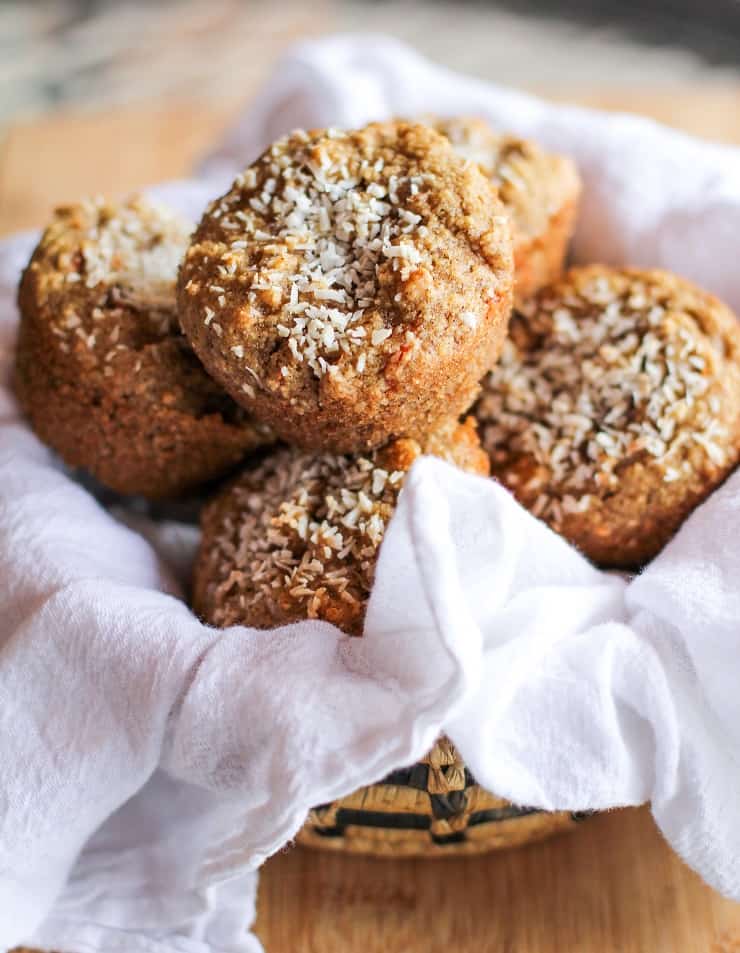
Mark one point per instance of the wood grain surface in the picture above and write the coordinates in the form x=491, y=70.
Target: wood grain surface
x=612, y=886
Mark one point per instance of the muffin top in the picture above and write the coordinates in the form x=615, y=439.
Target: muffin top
x=532, y=184
x=298, y=536
x=104, y=275
x=337, y=263
x=100, y=343
x=100, y=287
x=615, y=407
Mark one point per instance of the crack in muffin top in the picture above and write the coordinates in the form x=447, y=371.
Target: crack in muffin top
x=532, y=184
x=320, y=261
x=603, y=371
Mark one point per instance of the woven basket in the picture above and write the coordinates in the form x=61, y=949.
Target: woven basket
x=432, y=809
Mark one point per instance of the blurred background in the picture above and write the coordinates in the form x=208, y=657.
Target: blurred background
x=113, y=94
x=93, y=53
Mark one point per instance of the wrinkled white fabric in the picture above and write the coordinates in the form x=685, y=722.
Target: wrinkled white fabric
x=150, y=763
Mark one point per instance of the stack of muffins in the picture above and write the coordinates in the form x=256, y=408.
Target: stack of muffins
x=333, y=317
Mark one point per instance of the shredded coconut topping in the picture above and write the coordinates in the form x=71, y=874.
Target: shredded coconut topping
x=309, y=526
x=327, y=227
x=614, y=376
x=136, y=246
x=115, y=268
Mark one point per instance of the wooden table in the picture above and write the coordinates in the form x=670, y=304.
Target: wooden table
x=613, y=886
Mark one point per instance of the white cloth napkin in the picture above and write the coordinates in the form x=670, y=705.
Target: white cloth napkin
x=150, y=763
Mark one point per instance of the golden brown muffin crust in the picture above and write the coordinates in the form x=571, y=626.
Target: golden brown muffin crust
x=615, y=408
x=103, y=372
x=298, y=536
x=351, y=286
x=539, y=189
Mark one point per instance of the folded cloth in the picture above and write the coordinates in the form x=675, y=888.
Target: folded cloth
x=152, y=763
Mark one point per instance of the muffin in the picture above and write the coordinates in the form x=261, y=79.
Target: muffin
x=103, y=372
x=297, y=536
x=351, y=287
x=615, y=408
x=538, y=189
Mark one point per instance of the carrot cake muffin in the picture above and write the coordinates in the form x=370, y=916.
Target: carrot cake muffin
x=298, y=536
x=615, y=408
x=540, y=191
x=103, y=371
x=351, y=286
